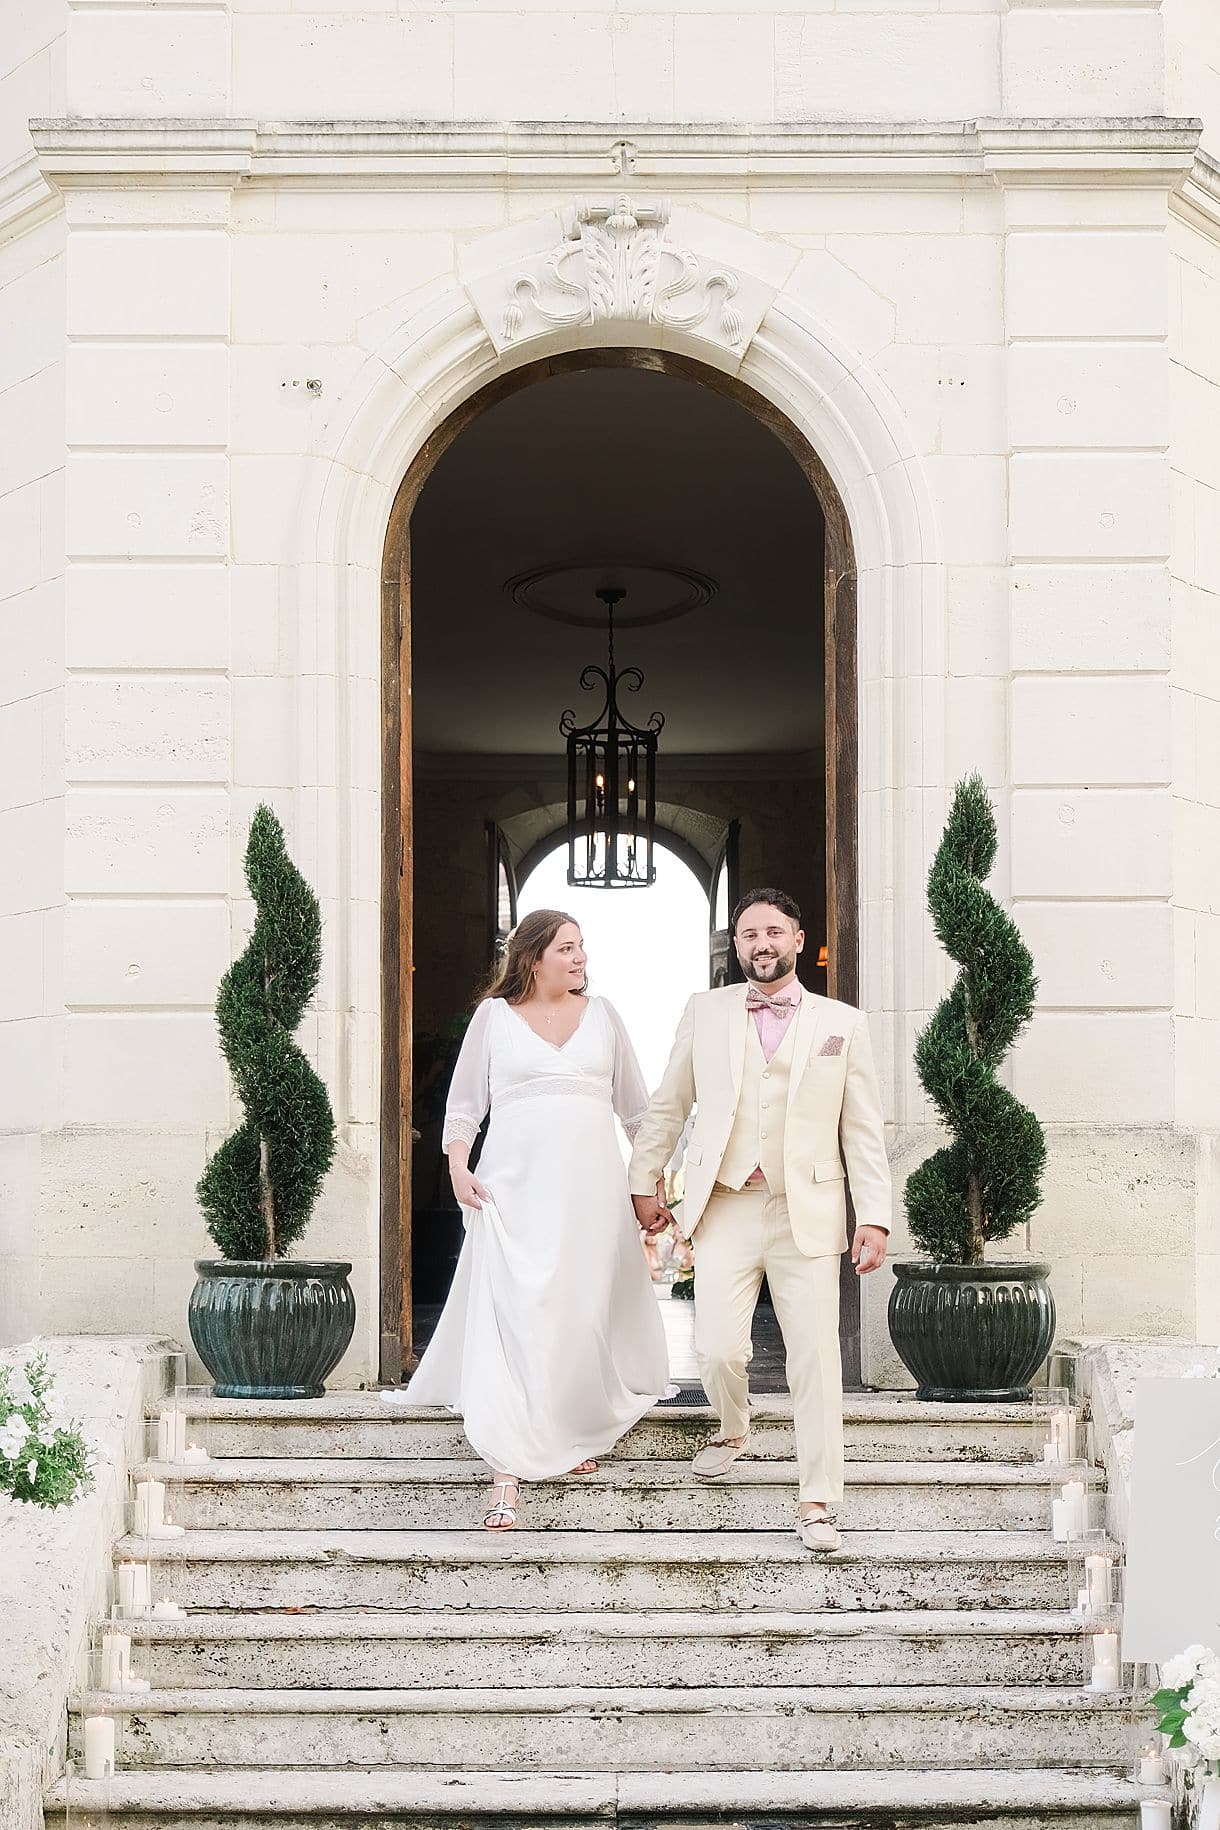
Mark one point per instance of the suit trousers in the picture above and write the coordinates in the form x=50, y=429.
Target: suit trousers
x=742, y=1234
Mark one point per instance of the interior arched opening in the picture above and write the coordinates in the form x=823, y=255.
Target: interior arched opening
x=648, y=470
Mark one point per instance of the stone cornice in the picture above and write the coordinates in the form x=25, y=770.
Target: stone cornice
x=1197, y=199
x=362, y=154
x=26, y=198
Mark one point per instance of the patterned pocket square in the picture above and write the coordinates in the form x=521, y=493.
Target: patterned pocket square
x=833, y=1045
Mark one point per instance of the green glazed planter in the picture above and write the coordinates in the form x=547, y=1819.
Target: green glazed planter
x=971, y=1332
x=273, y=1328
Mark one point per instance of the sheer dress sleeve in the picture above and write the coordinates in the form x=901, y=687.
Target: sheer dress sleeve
x=630, y=1095
x=470, y=1088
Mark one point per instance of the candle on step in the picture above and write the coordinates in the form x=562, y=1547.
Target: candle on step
x=171, y=1433
x=1156, y=1814
x=193, y=1454
x=150, y=1506
x=1105, y=1661
x=151, y=1518
x=1073, y=1499
x=1063, y=1435
x=1098, y=1571
x=116, y=1660
x=135, y=1590
x=168, y=1610
x=1152, y=1765
x=99, y=1747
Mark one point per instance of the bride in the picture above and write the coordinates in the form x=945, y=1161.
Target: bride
x=550, y=1344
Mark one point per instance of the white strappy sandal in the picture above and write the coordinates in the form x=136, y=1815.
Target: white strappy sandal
x=502, y=1510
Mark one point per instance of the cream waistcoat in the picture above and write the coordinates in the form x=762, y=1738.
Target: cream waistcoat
x=832, y=1123
x=757, y=1137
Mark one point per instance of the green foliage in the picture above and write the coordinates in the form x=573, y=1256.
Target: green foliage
x=43, y=1461
x=986, y=1182
x=259, y=1188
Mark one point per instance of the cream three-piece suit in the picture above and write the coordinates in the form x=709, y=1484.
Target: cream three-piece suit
x=811, y=1120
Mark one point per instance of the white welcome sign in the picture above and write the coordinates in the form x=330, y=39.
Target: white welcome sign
x=1173, y=1548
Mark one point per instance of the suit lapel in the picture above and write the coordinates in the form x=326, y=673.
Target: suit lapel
x=737, y=1039
x=808, y=1025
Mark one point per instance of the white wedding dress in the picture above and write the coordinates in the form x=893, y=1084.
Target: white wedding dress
x=551, y=1344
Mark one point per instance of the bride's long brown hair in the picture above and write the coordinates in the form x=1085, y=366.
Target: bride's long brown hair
x=513, y=978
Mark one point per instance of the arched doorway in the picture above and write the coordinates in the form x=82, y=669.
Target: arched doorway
x=773, y=682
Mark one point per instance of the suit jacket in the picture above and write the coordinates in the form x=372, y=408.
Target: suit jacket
x=833, y=1130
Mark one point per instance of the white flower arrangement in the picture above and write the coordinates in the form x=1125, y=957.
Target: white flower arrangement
x=44, y=1459
x=1188, y=1703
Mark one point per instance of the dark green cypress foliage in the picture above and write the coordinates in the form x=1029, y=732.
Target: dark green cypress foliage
x=259, y=1188
x=985, y=1183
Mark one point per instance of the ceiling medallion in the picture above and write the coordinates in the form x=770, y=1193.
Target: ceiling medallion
x=572, y=594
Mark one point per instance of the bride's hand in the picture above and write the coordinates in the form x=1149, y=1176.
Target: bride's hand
x=469, y=1190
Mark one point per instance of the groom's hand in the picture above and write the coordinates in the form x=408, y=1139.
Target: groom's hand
x=868, y=1249
x=652, y=1213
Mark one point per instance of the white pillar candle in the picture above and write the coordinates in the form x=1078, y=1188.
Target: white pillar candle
x=168, y=1610
x=1073, y=1500
x=193, y=1454
x=1082, y=1603
x=99, y=1747
x=1097, y=1580
x=150, y=1506
x=135, y=1591
x=116, y=1660
x=171, y=1433
x=1156, y=1814
x=1152, y=1766
x=1063, y=1435
x=1105, y=1649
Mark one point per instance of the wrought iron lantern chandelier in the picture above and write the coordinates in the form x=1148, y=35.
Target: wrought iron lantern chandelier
x=612, y=780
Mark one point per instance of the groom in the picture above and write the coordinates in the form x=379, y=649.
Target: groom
x=788, y=1108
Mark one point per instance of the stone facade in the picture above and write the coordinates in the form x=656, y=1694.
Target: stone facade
x=253, y=257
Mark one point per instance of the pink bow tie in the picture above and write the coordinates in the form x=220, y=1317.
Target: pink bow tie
x=758, y=1000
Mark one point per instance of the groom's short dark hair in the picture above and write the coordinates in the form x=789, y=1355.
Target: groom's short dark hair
x=778, y=899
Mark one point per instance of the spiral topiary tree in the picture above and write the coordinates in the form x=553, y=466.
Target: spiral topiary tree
x=259, y=1188
x=987, y=1182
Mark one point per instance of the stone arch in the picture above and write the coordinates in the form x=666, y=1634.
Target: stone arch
x=404, y=408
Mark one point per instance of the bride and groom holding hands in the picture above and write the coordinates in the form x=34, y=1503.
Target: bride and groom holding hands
x=551, y=1345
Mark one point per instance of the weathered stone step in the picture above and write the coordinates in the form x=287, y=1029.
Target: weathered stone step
x=360, y=1425
x=436, y=1495
x=847, y=1728
x=549, y=1571
x=516, y=1650
x=397, y=1800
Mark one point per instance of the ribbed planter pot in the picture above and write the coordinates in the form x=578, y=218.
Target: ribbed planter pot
x=271, y=1329
x=971, y=1332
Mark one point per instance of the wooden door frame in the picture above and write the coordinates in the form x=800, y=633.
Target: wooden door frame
x=397, y=855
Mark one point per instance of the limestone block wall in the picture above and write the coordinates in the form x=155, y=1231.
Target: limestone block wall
x=643, y=61
x=32, y=691
x=231, y=342
x=1194, y=400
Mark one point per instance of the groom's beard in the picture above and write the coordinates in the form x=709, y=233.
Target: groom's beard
x=766, y=971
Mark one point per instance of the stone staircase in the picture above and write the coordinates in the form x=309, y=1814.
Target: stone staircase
x=643, y=1651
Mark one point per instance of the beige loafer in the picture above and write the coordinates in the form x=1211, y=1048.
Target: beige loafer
x=818, y=1534
x=717, y=1457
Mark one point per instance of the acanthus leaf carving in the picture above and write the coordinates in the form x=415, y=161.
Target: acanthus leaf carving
x=615, y=263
